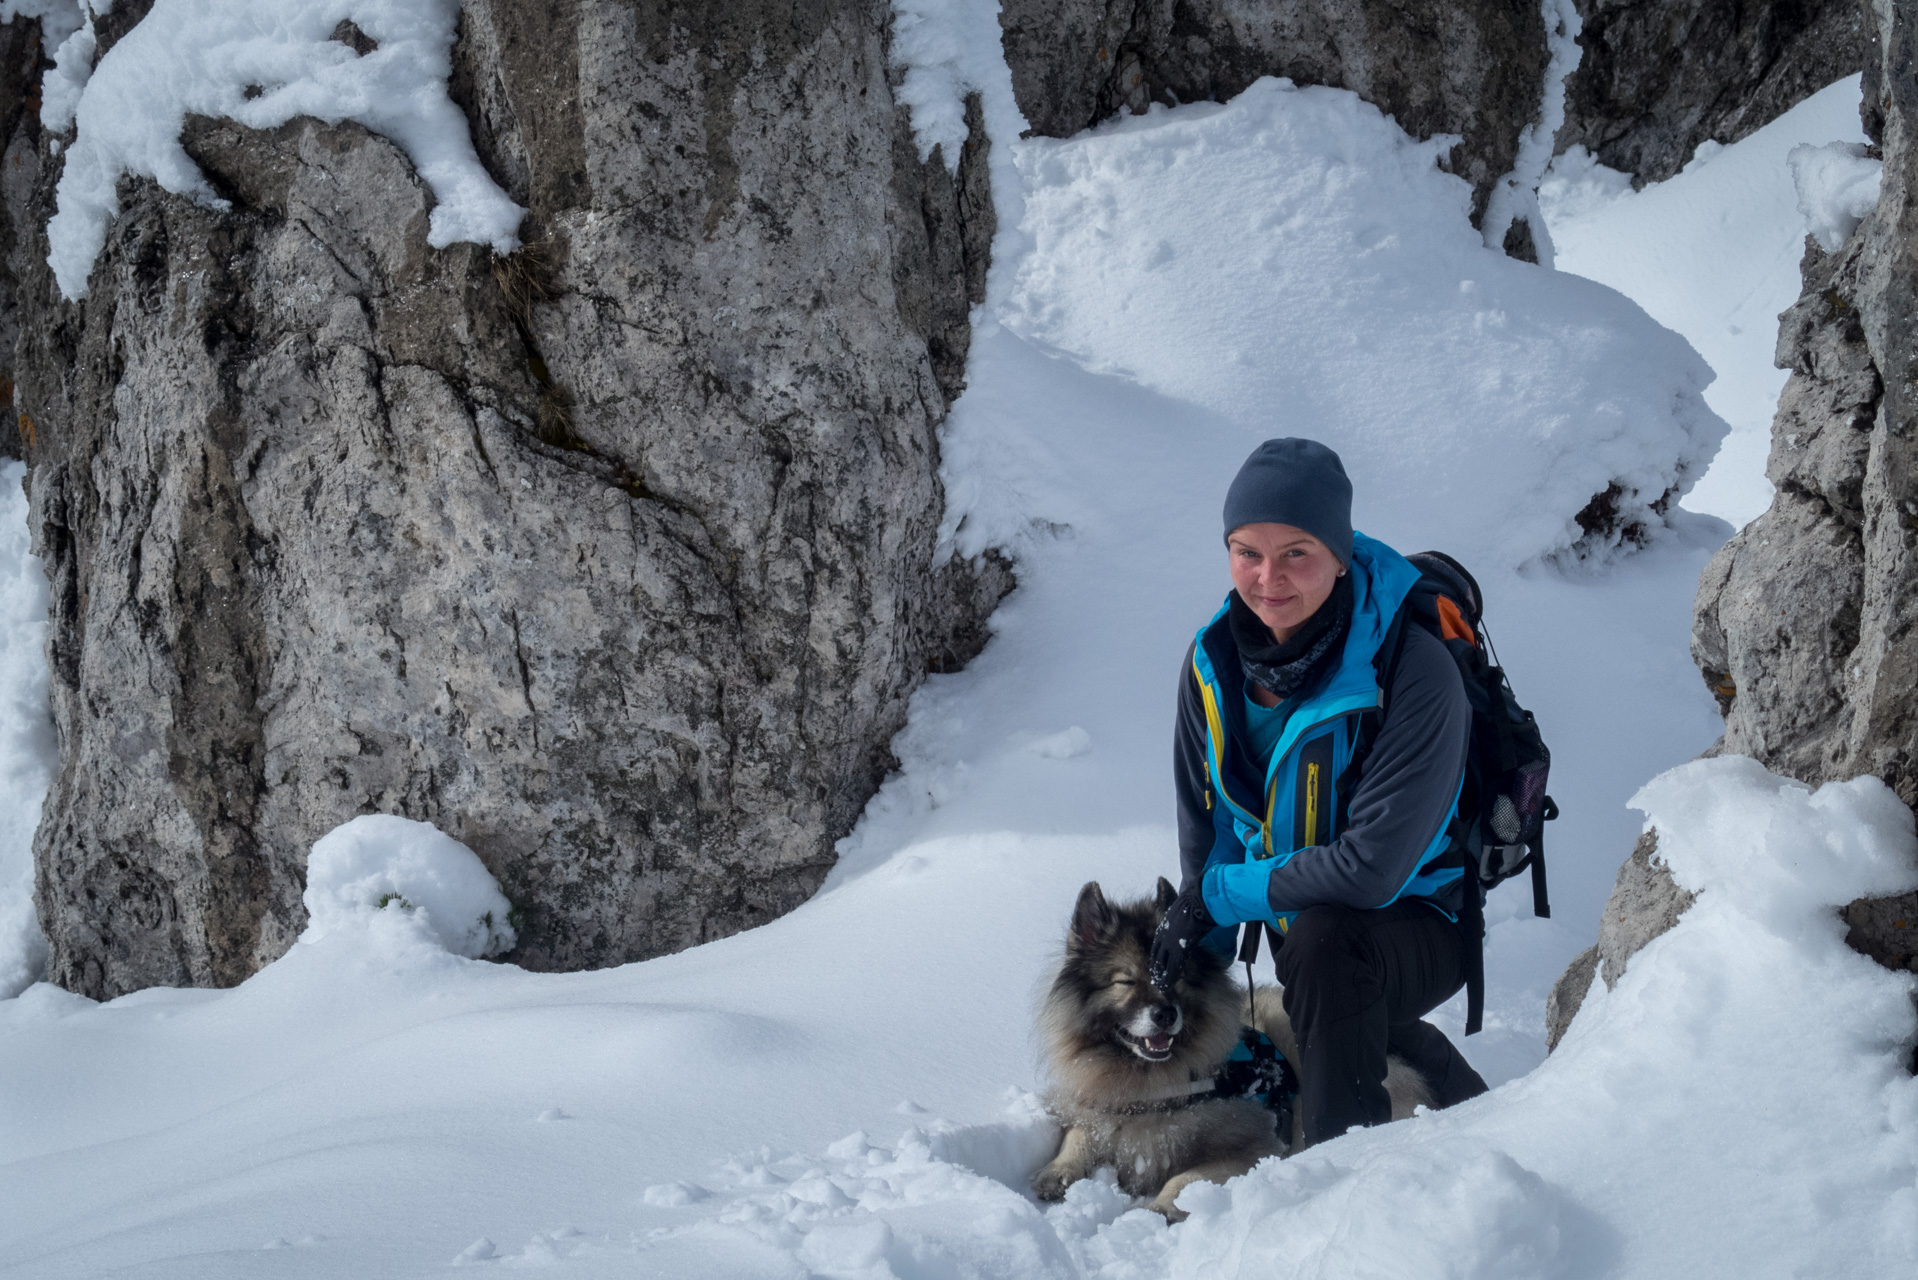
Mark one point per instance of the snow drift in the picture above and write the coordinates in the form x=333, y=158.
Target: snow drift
x=1711, y=253
x=1328, y=283
x=378, y=863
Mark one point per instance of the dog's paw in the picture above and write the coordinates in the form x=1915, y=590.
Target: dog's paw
x=1164, y=1207
x=1050, y=1183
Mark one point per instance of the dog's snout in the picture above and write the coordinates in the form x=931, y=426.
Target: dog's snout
x=1165, y=1015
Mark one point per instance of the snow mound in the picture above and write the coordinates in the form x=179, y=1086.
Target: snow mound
x=1712, y=253
x=205, y=57
x=379, y=863
x=1291, y=261
x=1404, y=1212
x=1837, y=186
x=1774, y=849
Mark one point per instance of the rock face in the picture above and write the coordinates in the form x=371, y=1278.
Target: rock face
x=20, y=53
x=1658, y=77
x=1821, y=682
x=614, y=558
x=1645, y=902
x=1806, y=622
x=1475, y=69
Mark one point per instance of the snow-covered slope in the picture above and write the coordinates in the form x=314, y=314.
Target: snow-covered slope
x=1168, y=291
x=1713, y=253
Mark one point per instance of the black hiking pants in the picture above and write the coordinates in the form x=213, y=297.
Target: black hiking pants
x=1357, y=984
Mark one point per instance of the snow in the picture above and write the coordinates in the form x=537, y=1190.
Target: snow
x=27, y=752
x=1837, y=186
x=1329, y=285
x=946, y=50
x=58, y=18
x=848, y=1090
x=66, y=30
x=1713, y=254
x=379, y=868
x=202, y=57
x=1516, y=195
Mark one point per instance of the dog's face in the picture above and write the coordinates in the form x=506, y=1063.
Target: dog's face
x=1104, y=1011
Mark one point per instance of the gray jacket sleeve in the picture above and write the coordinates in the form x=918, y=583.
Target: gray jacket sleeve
x=1403, y=796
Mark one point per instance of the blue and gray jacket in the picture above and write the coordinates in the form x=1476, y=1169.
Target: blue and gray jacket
x=1267, y=839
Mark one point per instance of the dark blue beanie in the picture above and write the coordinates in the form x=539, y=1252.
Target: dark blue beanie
x=1297, y=482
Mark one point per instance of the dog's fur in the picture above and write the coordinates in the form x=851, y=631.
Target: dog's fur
x=1119, y=1047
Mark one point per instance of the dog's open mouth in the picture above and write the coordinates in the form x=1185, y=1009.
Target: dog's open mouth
x=1153, y=1048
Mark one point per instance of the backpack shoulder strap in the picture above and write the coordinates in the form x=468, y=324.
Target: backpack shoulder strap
x=1386, y=663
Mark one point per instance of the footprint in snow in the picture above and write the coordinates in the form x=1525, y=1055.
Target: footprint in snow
x=672, y=1195
x=481, y=1250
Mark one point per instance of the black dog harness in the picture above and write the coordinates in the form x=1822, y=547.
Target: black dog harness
x=1255, y=1070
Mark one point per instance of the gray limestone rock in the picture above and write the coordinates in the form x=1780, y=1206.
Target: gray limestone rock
x=1658, y=77
x=1806, y=623
x=1474, y=69
x=1562, y=1002
x=612, y=558
x=1645, y=902
x=1886, y=929
x=20, y=55
x=1821, y=660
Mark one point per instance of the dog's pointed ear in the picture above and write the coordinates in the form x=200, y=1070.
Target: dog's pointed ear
x=1091, y=917
x=1167, y=895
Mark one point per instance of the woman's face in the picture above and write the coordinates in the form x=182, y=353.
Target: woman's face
x=1284, y=573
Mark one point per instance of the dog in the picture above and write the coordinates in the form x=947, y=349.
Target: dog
x=1132, y=1064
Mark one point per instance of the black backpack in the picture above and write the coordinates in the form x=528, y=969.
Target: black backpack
x=1502, y=808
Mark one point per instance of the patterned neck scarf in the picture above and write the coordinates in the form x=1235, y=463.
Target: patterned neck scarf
x=1282, y=668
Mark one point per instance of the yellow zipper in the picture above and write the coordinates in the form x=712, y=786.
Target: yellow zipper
x=1311, y=804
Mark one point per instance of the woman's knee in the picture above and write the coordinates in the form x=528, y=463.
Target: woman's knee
x=1322, y=940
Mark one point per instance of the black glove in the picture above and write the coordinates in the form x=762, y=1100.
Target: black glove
x=1186, y=922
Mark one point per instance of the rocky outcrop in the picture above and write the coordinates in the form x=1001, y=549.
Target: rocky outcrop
x=613, y=558
x=1821, y=682
x=1659, y=77
x=20, y=58
x=1645, y=902
x=1437, y=66
x=1806, y=623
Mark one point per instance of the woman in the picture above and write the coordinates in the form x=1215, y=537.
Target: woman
x=1356, y=875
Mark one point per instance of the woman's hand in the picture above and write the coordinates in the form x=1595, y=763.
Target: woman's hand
x=1185, y=922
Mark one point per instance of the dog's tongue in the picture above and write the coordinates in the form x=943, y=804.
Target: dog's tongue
x=1158, y=1044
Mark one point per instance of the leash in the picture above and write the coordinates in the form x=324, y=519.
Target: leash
x=1248, y=952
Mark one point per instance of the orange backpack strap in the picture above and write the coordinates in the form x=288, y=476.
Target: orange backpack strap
x=1452, y=624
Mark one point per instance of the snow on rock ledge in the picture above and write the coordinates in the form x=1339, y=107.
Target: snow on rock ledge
x=378, y=862
x=263, y=62
x=1775, y=849
x=1837, y=186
